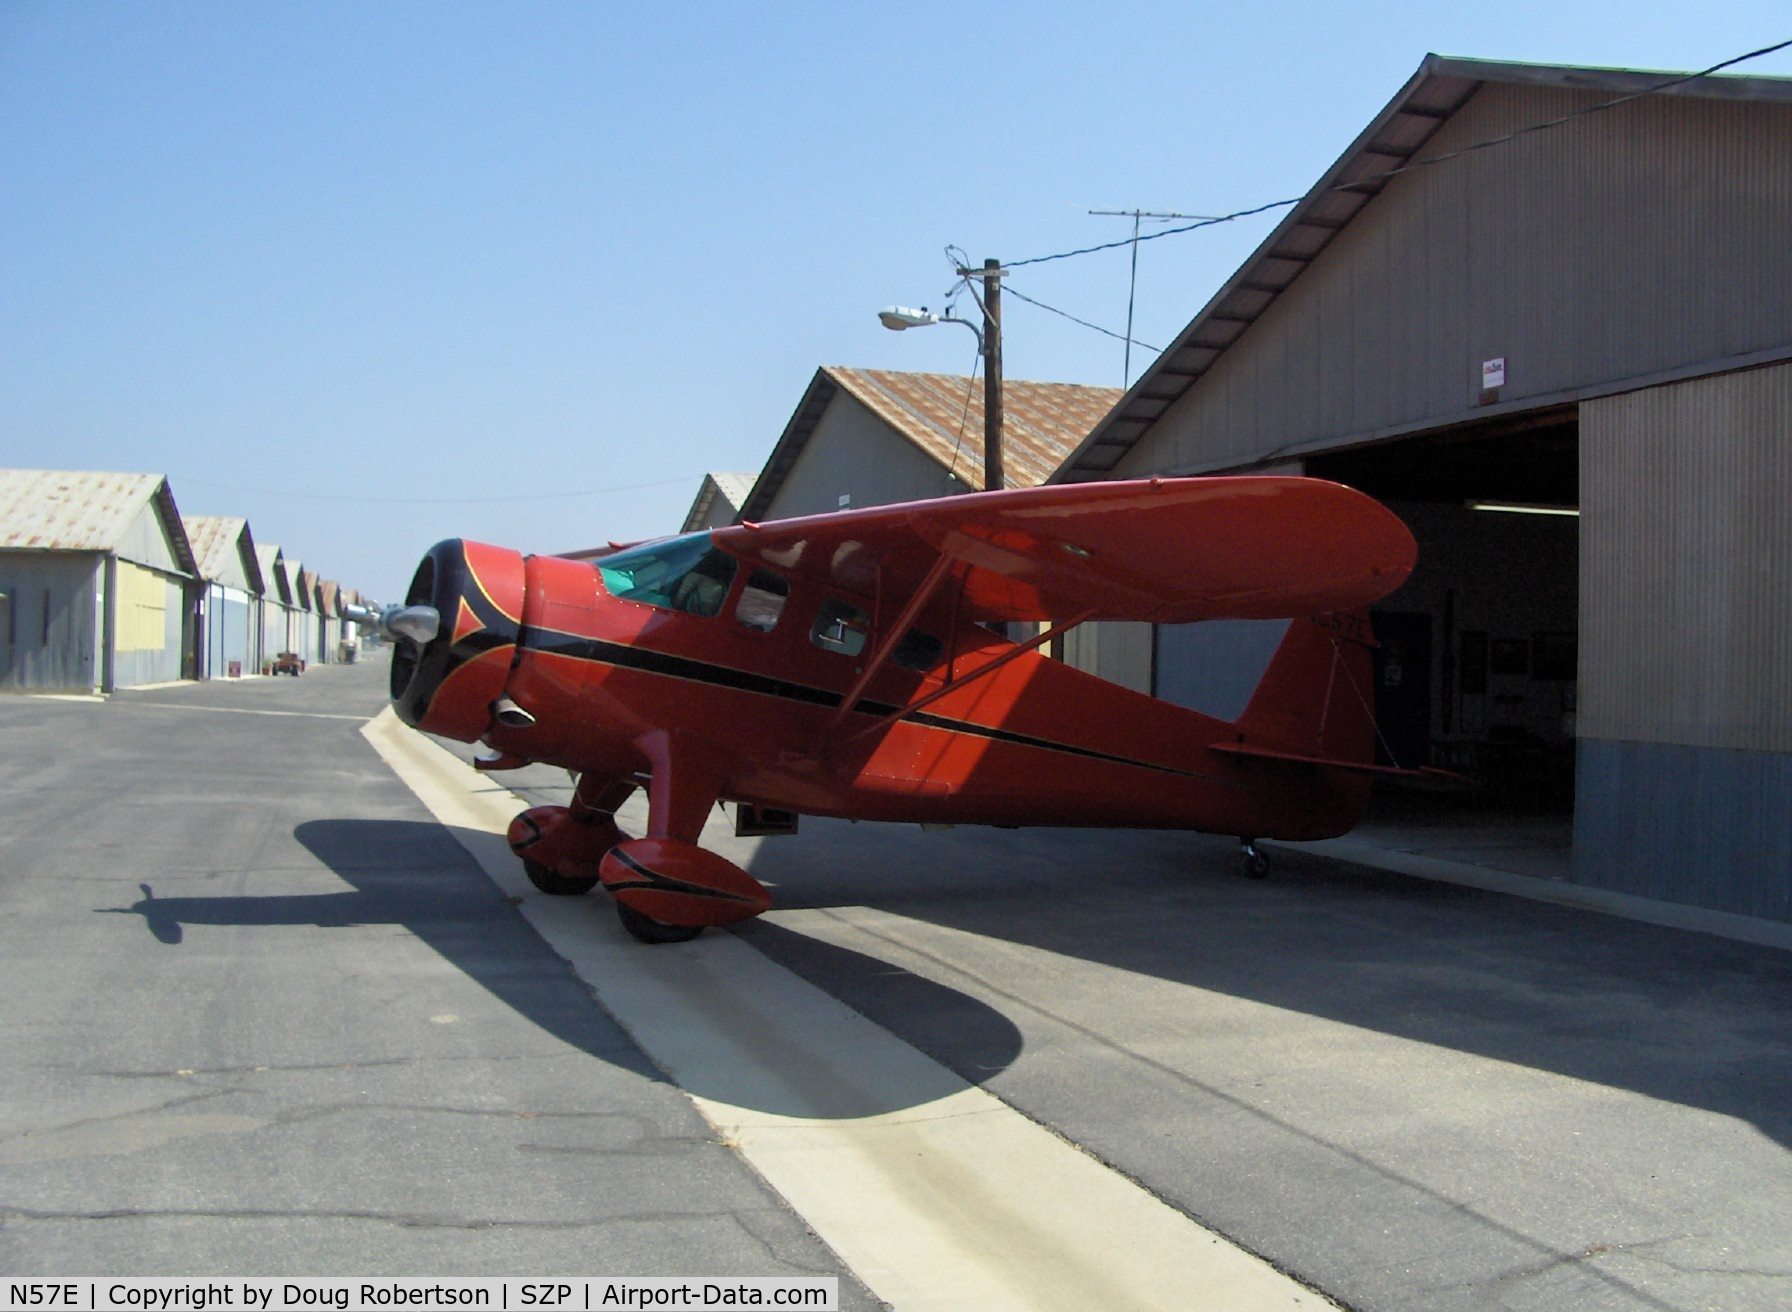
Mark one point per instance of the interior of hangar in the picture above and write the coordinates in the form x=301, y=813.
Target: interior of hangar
x=1539, y=312
x=1477, y=670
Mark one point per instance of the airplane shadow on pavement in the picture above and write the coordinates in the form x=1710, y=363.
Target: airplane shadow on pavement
x=413, y=875
x=1677, y=1016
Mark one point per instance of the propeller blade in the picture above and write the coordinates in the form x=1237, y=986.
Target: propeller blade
x=419, y=624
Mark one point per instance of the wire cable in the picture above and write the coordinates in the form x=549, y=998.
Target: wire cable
x=435, y=501
x=970, y=387
x=1409, y=167
x=1065, y=314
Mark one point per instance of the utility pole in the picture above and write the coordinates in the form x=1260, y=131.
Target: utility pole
x=994, y=479
x=989, y=346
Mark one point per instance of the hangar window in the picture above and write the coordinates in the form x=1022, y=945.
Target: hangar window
x=840, y=626
x=686, y=574
x=762, y=601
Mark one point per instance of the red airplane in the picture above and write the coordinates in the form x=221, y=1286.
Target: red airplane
x=853, y=665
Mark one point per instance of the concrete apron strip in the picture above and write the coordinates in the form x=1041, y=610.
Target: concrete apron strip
x=934, y=1192
x=1582, y=897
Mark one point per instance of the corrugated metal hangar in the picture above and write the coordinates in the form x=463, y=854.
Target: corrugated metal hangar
x=230, y=618
x=718, y=501
x=1557, y=342
x=104, y=585
x=1542, y=312
x=95, y=579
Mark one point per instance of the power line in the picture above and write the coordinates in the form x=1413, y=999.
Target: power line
x=1413, y=165
x=1065, y=314
x=435, y=501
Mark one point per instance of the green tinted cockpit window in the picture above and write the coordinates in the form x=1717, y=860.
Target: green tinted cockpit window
x=684, y=573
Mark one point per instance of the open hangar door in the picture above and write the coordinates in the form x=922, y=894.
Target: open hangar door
x=1477, y=667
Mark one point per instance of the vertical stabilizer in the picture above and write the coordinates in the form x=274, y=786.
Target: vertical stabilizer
x=1316, y=700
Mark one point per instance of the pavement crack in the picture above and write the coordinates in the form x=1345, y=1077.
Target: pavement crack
x=194, y=1072
x=401, y=1219
x=1584, y=1260
x=87, y=1122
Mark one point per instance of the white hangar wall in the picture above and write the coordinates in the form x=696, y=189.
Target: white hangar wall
x=1618, y=247
x=856, y=454
x=50, y=620
x=1684, y=772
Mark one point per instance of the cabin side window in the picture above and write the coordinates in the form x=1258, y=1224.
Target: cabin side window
x=840, y=626
x=762, y=601
x=685, y=574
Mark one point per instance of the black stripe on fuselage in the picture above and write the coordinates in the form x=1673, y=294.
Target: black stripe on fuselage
x=645, y=659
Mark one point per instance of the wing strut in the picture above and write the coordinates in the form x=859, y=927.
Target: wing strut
x=880, y=657
x=988, y=667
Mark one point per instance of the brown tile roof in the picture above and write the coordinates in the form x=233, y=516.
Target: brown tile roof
x=942, y=414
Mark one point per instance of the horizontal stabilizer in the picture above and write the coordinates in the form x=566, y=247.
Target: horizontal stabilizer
x=1355, y=767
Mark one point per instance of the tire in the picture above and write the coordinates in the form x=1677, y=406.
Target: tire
x=559, y=885
x=645, y=929
x=1256, y=865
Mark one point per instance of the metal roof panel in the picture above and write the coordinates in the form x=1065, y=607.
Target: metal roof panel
x=70, y=510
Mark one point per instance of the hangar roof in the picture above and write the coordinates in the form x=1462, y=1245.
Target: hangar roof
x=942, y=414
x=734, y=489
x=1439, y=88
x=214, y=538
x=273, y=571
x=81, y=510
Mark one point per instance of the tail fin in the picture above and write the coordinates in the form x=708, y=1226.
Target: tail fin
x=1315, y=701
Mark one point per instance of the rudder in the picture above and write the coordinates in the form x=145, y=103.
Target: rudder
x=1315, y=699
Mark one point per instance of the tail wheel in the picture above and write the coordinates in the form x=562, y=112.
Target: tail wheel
x=647, y=930
x=552, y=881
x=1256, y=865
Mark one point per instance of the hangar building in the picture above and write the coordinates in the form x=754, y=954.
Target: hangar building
x=229, y=642
x=718, y=501
x=1562, y=291
x=98, y=585
x=870, y=437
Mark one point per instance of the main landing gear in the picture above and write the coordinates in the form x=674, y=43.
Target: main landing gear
x=549, y=880
x=666, y=887
x=1256, y=865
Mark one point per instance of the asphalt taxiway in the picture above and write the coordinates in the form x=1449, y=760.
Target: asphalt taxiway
x=264, y=1011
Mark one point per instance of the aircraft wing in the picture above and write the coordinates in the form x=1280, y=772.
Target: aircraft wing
x=1168, y=550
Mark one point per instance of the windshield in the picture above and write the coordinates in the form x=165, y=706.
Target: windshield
x=685, y=573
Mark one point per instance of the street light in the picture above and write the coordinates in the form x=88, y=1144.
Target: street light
x=989, y=344
x=898, y=317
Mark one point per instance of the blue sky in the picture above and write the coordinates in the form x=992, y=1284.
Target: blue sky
x=377, y=274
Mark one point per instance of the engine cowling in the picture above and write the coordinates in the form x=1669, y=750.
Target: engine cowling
x=448, y=684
